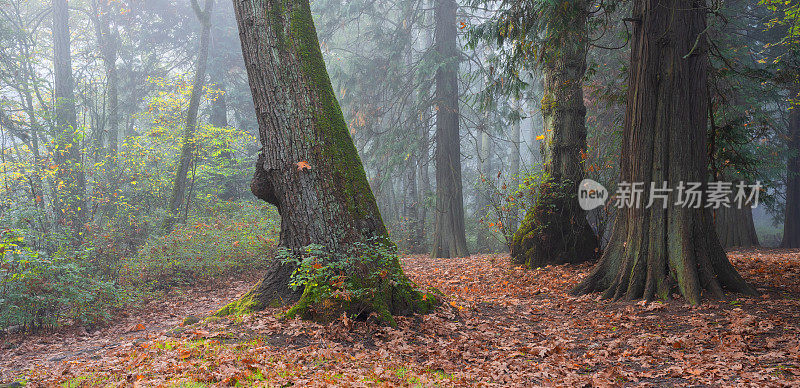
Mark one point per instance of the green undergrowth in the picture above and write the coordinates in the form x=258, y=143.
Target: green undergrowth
x=203, y=249
x=365, y=280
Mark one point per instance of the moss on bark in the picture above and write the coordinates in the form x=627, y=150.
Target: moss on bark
x=554, y=231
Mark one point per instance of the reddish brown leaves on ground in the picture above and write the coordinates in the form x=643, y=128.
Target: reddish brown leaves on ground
x=500, y=325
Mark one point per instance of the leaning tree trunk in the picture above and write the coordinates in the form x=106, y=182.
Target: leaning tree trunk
x=449, y=239
x=555, y=229
x=70, y=204
x=791, y=225
x=735, y=227
x=188, y=148
x=654, y=249
x=308, y=167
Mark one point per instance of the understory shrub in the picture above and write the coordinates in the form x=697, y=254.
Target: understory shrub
x=38, y=291
x=206, y=246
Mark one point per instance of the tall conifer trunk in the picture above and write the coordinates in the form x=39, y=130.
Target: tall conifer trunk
x=791, y=225
x=654, y=250
x=449, y=239
x=735, y=227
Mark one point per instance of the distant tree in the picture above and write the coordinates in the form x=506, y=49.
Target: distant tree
x=70, y=201
x=785, y=28
x=654, y=249
x=791, y=225
x=309, y=168
x=449, y=238
x=180, y=183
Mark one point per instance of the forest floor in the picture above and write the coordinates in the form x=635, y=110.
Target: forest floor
x=499, y=325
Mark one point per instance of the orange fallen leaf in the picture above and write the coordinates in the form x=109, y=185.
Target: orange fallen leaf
x=301, y=165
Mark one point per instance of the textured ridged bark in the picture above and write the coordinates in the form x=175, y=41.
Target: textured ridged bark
x=188, y=147
x=654, y=250
x=735, y=227
x=791, y=225
x=555, y=230
x=449, y=239
x=70, y=202
x=308, y=168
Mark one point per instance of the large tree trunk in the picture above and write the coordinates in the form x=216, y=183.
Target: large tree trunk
x=555, y=229
x=735, y=227
x=791, y=225
x=70, y=204
x=449, y=239
x=308, y=168
x=654, y=249
x=188, y=148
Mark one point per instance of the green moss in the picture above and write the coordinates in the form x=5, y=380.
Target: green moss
x=245, y=305
x=554, y=231
x=338, y=146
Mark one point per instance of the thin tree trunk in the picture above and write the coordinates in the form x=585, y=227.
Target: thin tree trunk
x=189, y=145
x=70, y=203
x=653, y=250
x=791, y=225
x=108, y=47
x=516, y=136
x=308, y=167
x=484, y=186
x=411, y=207
x=449, y=239
x=555, y=229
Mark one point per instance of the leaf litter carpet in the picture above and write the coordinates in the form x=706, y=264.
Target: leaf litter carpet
x=499, y=325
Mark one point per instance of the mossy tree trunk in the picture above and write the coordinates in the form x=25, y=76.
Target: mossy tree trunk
x=70, y=191
x=655, y=250
x=555, y=229
x=735, y=227
x=791, y=225
x=449, y=239
x=308, y=167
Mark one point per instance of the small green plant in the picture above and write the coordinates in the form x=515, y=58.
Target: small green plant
x=358, y=281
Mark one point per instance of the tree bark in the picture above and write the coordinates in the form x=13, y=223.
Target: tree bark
x=308, y=167
x=108, y=48
x=516, y=137
x=791, y=225
x=484, y=187
x=735, y=227
x=188, y=148
x=555, y=229
x=449, y=239
x=70, y=204
x=654, y=250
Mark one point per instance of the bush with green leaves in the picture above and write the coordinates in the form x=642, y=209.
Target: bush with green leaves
x=232, y=237
x=39, y=291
